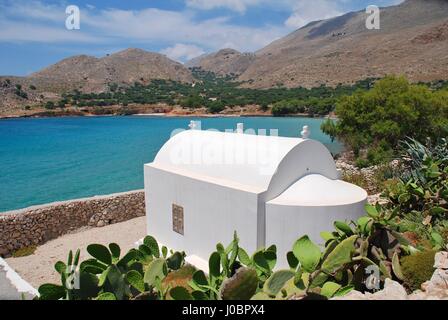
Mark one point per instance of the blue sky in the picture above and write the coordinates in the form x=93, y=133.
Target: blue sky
x=33, y=33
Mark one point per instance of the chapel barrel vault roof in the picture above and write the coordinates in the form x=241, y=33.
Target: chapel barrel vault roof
x=260, y=163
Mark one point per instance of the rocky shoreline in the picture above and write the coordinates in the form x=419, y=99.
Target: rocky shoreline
x=161, y=110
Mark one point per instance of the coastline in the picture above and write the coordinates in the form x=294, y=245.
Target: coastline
x=158, y=110
x=166, y=115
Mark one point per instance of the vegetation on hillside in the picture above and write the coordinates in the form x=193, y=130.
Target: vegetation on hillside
x=420, y=193
x=215, y=93
x=373, y=122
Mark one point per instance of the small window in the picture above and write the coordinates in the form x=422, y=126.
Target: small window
x=178, y=219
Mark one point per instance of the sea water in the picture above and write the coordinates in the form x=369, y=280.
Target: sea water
x=53, y=159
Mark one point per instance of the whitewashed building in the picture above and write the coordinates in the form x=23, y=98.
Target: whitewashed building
x=204, y=185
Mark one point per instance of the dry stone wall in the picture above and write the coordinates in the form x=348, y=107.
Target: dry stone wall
x=36, y=225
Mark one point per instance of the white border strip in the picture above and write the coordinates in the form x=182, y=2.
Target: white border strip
x=21, y=285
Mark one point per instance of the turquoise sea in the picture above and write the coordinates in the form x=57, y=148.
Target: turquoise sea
x=53, y=159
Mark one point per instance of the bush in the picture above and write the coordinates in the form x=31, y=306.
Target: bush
x=50, y=105
x=192, y=102
x=281, y=109
x=417, y=269
x=376, y=120
x=420, y=192
x=27, y=251
x=215, y=107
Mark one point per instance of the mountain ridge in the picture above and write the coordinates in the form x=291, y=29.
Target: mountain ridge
x=223, y=62
x=316, y=54
x=123, y=67
x=89, y=74
x=412, y=41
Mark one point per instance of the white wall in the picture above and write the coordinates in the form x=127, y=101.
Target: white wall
x=308, y=157
x=286, y=224
x=211, y=213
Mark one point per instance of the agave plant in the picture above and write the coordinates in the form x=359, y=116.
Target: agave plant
x=421, y=192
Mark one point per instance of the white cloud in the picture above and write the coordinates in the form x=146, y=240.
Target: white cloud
x=147, y=28
x=183, y=52
x=11, y=31
x=308, y=11
x=162, y=26
x=235, y=5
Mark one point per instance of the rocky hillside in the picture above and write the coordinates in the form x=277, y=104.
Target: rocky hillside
x=412, y=41
x=87, y=74
x=125, y=67
x=223, y=62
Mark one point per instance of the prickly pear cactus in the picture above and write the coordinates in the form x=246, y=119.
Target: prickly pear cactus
x=179, y=278
x=242, y=286
x=277, y=281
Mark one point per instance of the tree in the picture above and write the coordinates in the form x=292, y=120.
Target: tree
x=193, y=101
x=372, y=122
x=49, y=105
x=215, y=107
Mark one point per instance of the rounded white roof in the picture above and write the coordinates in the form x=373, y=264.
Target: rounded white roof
x=317, y=190
x=257, y=162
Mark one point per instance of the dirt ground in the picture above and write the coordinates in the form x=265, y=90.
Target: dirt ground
x=39, y=267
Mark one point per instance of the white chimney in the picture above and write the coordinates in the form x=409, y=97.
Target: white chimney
x=194, y=125
x=305, y=132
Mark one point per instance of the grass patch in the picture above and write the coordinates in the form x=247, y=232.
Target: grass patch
x=27, y=251
x=418, y=268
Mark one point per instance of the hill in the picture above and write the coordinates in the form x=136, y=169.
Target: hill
x=412, y=41
x=125, y=67
x=223, y=62
x=87, y=74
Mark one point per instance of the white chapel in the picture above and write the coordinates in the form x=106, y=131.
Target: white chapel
x=204, y=185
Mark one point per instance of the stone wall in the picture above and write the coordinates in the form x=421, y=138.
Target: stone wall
x=36, y=225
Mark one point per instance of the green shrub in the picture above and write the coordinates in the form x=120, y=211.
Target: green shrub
x=50, y=105
x=215, y=107
x=376, y=120
x=418, y=268
x=420, y=192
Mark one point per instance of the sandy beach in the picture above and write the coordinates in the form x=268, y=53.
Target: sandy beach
x=39, y=267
